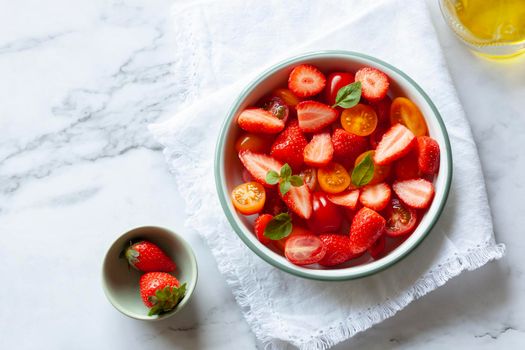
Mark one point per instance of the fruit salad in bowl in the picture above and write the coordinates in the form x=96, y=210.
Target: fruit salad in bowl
x=333, y=165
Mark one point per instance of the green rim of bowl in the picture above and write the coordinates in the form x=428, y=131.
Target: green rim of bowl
x=219, y=158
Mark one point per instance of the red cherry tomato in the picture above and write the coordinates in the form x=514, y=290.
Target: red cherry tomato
x=326, y=216
x=400, y=219
x=334, y=82
x=304, y=249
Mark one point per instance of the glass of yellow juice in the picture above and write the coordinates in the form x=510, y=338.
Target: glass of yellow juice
x=494, y=28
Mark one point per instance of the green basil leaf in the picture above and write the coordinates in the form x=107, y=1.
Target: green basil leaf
x=296, y=180
x=279, y=227
x=286, y=172
x=363, y=172
x=272, y=177
x=348, y=96
x=284, y=187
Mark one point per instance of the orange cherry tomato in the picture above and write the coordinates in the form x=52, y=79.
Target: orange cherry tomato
x=253, y=142
x=381, y=172
x=248, y=198
x=333, y=178
x=405, y=112
x=287, y=96
x=360, y=120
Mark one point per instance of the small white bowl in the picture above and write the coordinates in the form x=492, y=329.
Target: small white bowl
x=121, y=283
x=228, y=167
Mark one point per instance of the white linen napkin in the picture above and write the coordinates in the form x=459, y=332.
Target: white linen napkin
x=220, y=47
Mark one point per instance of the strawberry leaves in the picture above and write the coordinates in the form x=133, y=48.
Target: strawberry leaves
x=285, y=179
x=279, y=227
x=363, y=172
x=348, y=96
x=166, y=299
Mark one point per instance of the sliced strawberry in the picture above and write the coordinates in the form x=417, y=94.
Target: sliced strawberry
x=337, y=249
x=346, y=199
x=259, y=164
x=347, y=146
x=319, y=151
x=417, y=193
x=375, y=197
x=306, y=80
x=367, y=226
x=260, y=225
x=314, y=116
x=299, y=200
x=428, y=150
x=374, y=83
x=289, y=146
x=407, y=167
x=395, y=143
x=258, y=120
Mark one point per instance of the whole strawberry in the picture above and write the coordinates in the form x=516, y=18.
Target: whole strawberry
x=160, y=292
x=148, y=257
x=367, y=226
x=338, y=249
x=347, y=146
x=289, y=146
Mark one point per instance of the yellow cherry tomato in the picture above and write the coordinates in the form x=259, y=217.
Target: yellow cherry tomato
x=333, y=178
x=381, y=172
x=405, y=112
x=360, y=120
x=248, y=198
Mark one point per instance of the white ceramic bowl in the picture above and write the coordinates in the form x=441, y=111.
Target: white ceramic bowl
x=228, y=167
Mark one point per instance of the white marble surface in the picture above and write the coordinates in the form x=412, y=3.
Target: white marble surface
x=79, y=82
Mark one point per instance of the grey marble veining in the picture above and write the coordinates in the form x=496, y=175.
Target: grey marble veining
x=79, y=83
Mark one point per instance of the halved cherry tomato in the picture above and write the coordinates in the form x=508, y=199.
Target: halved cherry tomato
x=400, y=219
x=277, y=107
x=381, y=172
x=253, y=142
x=333, y=178
x=296, y=230
x=405, y=112
x=287, y=96
x=334, y=82
x=326, y=216
x=377, y=250
x=304, y=249
x=360, y=120
x=248, y=198
x=309, y=176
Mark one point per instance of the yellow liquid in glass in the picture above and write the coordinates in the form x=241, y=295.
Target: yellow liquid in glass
x=496, y=21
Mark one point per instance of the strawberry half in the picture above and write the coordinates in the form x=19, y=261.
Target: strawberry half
x=346, y=199
x=347, y=146
x=428, y=155
x=314, y=116
x=396, y=143
x=337, y=249
x=374, y=83
x=416, y=193
x=319, y=151
x=260, y=225
x=306, y=80
x=299, y=200
x=367, y=226
x=259, y=164
x=258, y=120
x=375, y=197
x=289, y=146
